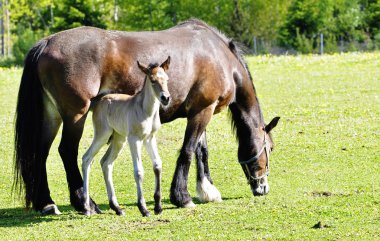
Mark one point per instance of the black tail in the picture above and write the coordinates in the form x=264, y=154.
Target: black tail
x=28, y=126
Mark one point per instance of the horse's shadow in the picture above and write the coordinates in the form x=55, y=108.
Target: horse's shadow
x=20, y=217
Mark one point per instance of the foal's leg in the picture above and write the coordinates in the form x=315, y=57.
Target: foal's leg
x=135, y=145
x=151, y=147
x=196, y=125
x=107, y=161
x=206, y=191
x=101, y=137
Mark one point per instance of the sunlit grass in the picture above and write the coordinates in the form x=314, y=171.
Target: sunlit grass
x=325, y=167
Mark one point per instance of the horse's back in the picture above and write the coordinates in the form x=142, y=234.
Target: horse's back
x=78, y=64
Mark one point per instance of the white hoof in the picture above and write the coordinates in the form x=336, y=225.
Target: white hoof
x=50, y=209
x=208, y=192
x=189, y=205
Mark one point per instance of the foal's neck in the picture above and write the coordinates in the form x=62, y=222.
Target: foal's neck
x=150, y=102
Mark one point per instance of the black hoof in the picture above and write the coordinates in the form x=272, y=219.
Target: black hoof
x=77, y=201
x=157, y=210
x=144, y=212
x=180, y=199
x=120, y=213
x=118, y=210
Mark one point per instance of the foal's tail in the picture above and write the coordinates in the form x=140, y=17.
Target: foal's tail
x=28, y=126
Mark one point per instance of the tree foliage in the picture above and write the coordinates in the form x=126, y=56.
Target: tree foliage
x=294, y=24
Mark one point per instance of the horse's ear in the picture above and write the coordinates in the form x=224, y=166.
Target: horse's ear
x=272, y=124
x=143, y=68
x=165, y=65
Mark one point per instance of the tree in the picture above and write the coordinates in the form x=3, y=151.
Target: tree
x=75, y=13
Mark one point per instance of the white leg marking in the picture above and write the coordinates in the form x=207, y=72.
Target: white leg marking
x=207, y=192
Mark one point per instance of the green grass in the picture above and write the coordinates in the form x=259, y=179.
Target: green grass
x=325, y=167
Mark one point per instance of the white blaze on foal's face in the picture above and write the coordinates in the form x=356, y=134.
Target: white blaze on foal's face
x=159, y=80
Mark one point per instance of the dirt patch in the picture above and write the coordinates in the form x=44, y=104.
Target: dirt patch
x=321, y=194
x=320, y=225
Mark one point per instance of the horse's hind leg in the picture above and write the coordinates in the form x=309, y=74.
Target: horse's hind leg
x=106, y=162
x=68, y=149
x=196, y=125
x=135, y=145
x=51, y=123
x=206, y=191
x=151, y=147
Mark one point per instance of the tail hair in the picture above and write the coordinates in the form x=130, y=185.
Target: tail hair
x=28, y=126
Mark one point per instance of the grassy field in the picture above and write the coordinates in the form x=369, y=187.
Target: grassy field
x=325, y=168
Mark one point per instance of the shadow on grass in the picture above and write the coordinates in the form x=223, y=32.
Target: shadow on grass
x=20, y=217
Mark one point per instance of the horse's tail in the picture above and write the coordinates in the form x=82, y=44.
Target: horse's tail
x=28, y=126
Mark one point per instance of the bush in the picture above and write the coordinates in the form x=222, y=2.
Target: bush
x=25, y=40
x=7, y=62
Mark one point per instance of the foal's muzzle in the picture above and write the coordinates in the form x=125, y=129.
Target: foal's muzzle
x=165, y=98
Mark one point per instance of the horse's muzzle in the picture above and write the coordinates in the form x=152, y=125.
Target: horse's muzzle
x=260, y=187
x=165, y=98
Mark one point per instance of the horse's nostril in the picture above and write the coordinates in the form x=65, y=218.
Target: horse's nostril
x=165, y=99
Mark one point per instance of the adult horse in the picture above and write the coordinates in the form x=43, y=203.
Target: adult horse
x=64, y=71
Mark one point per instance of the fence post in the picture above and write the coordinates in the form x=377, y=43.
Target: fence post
x=255, y=45
x=2, y=47
x=321, y=50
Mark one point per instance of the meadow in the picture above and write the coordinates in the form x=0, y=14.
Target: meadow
x=325, y=168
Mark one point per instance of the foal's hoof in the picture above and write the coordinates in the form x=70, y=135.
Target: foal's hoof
x=50, y=209
x=120, y=212
x=145, y=213
x=158, y=210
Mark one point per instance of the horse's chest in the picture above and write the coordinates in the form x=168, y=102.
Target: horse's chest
x=145, y=127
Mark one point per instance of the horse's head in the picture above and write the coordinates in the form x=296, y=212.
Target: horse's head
x=159, y=79
x=256, y=168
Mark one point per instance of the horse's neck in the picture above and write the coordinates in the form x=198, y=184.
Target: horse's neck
x=247, y=118
x=150, y=103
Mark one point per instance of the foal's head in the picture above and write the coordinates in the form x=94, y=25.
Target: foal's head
x=159, y=79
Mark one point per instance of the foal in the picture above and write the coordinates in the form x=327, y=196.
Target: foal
x=117, y=117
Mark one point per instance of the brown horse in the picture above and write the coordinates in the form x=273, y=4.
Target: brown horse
x=64, y=71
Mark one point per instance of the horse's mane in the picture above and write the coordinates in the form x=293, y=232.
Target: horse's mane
x=235, y=47
x=238, y=52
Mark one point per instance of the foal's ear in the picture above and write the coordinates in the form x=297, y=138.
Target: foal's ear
x=272, y=124
x=165, y=65
x=143, y=68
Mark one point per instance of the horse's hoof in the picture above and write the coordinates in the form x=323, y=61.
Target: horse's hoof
x=145, y=214
x=88, y=212
x=157, y=211
x=120, y=212
x=189, y=205
x=50, y=209
x=207, y=192
x=97, y=210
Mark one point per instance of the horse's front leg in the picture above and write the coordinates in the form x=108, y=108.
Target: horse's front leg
x=135, y=145
x=206, y=191
x=151, y=147
x=196, y=125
